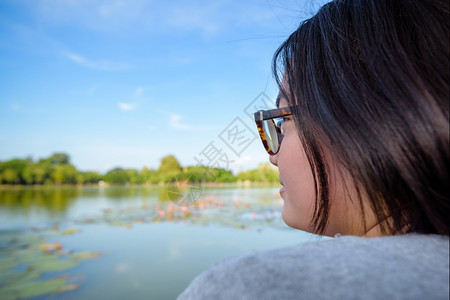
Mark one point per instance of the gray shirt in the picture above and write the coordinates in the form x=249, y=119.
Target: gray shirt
x=410, y=266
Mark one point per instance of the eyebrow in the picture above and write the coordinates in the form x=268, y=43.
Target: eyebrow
x=280, y=96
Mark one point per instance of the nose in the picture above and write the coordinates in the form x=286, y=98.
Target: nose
x=274, y=159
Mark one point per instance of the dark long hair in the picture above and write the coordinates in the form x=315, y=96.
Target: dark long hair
x=369, y=86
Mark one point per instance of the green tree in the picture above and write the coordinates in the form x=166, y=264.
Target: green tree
x=42, y=172
x=12, y=170
x=134, y=177
x=53, y=169
x=264, y=173
x=79, y=178
x=64, y=173
x=206, y=174
x=91, y=177
x=117, y=176
x=59, y=159
x=169, y=164
x=195, y=174
x=28, y=174
x=149, y=175
x=10, y=176
x=225, y=176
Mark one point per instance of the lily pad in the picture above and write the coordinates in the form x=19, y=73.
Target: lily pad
x=85, y=255
x=23, y=241
x=7, y=276
x=34, y=255
x=34, y=288
x=55, y=266
x=8, y=295
x=29, y=275
x=70, y=231
x=7, y=262
x=22, y=281
x=24, y=258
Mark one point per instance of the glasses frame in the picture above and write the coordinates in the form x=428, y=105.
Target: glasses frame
x=271, y=114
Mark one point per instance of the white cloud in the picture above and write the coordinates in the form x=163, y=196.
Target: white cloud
x=110, y=9
x=103, y=65
x=15, y=106
x=174, y=122
x=201, y=16
x=120, y=16
x=127, y=106
x=101, y=15
x=92, y=89
x=138, y=92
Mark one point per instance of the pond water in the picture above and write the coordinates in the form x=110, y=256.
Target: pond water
x=129, y=242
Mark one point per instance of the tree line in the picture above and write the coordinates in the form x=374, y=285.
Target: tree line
x=57, y=169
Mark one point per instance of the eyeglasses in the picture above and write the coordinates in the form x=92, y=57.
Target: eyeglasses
x=270, y=130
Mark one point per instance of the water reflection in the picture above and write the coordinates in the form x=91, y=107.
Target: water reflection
x=54, y=201
x=169, y=193
x=21, y=207
x=57, y=201
x=151, y=242
x=128, y=192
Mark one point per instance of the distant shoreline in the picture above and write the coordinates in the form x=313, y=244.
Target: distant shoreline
x=183, y=185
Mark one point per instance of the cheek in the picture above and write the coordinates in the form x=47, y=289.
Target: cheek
x=299, y=195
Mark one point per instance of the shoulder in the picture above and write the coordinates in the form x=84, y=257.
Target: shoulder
x=402, y=267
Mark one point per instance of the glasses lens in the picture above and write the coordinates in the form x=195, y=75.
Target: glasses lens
x=271, y=134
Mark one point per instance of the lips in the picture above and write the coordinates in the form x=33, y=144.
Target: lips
x=282, y=190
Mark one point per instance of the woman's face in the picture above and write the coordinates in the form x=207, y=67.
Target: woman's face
x=295, y=176
x=298, y=190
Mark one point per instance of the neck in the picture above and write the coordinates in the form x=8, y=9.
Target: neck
x=374, y=231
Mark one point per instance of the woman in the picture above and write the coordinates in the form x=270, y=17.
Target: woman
x=362, y=149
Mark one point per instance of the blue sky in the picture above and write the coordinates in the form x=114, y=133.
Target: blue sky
x=124, y=83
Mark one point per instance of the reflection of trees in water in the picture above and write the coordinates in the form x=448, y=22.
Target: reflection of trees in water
x=169, y=193
x=116, y=192
x=183, y=195
x=55, y=200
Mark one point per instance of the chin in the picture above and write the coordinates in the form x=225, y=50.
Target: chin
x=296, y=223
x=285, y=219
x=292, y=222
